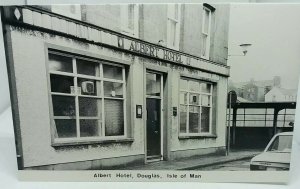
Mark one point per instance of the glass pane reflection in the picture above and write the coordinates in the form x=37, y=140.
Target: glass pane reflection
x=153, y=84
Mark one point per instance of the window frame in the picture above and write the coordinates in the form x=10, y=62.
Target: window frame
x=188, y=104
x=177, y=22
x=101, y=122
x=208, y=34
x=124, y=9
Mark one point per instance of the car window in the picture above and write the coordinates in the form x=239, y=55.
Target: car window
x=281, y=143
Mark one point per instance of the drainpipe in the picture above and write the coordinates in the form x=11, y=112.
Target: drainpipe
x=228, y=130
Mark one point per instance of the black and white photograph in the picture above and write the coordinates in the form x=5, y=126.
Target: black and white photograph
x=185, y=88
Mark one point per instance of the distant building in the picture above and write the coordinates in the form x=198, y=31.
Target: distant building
x=255, y=90
x=278, y=94
x=240, y=99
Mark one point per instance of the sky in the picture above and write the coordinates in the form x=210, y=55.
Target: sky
x=274, y=32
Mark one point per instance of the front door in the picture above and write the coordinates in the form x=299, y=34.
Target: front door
x=153, y=129
x=153, y=106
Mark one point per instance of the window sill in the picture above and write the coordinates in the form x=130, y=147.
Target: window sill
x=74, y=143
x=197, y=137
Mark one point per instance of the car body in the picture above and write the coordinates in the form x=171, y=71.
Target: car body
x=276, y=156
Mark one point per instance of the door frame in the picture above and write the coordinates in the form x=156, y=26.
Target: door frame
x=161, y=113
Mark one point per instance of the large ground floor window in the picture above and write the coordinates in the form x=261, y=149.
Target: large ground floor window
x=195, y=107
x=88, y=98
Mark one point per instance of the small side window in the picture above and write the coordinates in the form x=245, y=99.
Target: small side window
x=173, y=26
x=206, y=27
x=129, y=19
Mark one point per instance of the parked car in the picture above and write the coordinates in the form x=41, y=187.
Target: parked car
x=276, y=156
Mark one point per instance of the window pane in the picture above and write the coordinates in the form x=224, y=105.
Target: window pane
x=131, y=17
x=290, y=111
x=173, y=11
x=194, y=99
x=61, y=84
x=176, y=11
x=204, y=44
x=255, y=111
x=206, y=88
x=87, y=67
x=240, y=111
x=205, y=100
x=270, y=113
x=60, y=63
x=88, y=87
x=183, y=118
x=63, y=105
x=112, y=89
x=112, y=72
x=258, y=117
x=89, y=128
x=172, y=33
x=194, y=86
x=194, y=115
x=206, y=21
x=205, y=119
x=281, y=144
x=114, y=117
x=90, y=107
x=269, y=123
x=65, y=128
x=183, y=84
x=183, y=98
x=153, y=84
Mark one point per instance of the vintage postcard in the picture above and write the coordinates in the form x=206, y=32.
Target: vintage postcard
x=153, y=92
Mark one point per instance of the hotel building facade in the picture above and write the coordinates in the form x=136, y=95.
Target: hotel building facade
x=109, y=86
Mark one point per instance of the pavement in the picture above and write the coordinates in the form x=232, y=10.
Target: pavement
x=196, y=163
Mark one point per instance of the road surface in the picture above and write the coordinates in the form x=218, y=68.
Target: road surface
x=242, y=165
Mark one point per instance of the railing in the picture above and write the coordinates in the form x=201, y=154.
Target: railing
x=252, y=125
x=262, y=117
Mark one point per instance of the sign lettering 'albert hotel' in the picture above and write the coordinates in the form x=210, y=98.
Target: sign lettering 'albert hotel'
x=99, y=87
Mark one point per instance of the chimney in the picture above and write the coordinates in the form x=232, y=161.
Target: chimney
x=277, y=81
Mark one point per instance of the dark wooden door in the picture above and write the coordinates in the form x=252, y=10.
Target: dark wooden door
x=153, y=128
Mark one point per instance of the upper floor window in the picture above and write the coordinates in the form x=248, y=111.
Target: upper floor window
x=72, y=11
x=206, y=27
x=129, y=19
x=173, y=26
x=195, y=107
x=88, y=99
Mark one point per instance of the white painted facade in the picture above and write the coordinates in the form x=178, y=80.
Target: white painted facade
x=29, y=43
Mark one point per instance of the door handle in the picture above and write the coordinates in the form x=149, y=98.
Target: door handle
x=155, y=132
